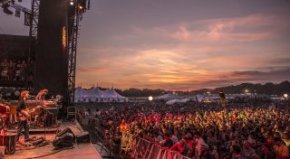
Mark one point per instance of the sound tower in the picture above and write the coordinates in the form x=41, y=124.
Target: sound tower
x=51, y=59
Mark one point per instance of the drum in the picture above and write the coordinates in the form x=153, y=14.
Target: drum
x=9, y=141
x=13, y=114
x=4, y=114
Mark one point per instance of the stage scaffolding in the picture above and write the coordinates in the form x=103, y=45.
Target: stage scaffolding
x=72, y=53
x=76, y=9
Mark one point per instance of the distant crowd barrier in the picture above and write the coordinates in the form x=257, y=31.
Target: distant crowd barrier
x=135, y=147
x=145, y=149
x=127, y=142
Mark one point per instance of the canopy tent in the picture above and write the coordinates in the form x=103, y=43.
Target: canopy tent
x=98, y=95
x=168, y=97
x=174, y=101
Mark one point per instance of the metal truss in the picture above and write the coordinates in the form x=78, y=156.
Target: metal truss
x=34, y=18
x=72, y=53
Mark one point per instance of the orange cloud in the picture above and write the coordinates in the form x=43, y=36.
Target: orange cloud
x=192, y=55
x=231, y=29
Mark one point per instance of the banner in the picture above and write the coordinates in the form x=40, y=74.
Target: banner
x=89, y=4
x=27, y=19
x=17, y=12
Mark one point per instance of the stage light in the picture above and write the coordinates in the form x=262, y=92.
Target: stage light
x=150, y=98
x=285, y=95
x=71, y=3
x=81, y=7
x=6, y=10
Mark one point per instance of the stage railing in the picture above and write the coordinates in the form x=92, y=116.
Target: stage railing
x=146, y=149
x=127, y=142
x=99, y=134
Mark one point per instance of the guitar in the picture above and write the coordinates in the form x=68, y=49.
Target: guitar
x=24, y=115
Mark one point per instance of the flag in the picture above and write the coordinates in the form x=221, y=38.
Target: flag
x=17, y=12
x=27, y=19
x=223, y=98
x=89, y=4
x=222, y=95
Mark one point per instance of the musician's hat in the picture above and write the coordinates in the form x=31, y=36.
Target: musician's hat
x=44, y=90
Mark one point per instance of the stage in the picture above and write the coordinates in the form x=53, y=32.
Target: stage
x=87, y=151
x=79, y=150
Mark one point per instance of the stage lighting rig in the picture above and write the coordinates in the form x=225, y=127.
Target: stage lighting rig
x=83, y=5
x=5, y=4
x=71, y=3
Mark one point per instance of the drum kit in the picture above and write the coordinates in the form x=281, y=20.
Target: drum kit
x=7, y=139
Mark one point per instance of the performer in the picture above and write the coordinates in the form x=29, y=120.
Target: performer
x=45, y=116
x=40, y=97
x=23, y=115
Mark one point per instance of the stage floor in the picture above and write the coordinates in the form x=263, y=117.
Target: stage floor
x=82, y=150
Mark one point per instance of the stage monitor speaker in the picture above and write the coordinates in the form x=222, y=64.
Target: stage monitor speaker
x=64, y=131
x=65, y=140
x=83, y=137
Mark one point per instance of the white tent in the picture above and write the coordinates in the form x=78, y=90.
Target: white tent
x=97, y=95
x=173, y=101
x=168, y=97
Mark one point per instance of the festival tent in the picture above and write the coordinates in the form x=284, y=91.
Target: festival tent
x=199, y=97
x=98, y=95
x=110, y=95
x=207, y=98
x=168, y=96
x=174, y=101
x=80, y=95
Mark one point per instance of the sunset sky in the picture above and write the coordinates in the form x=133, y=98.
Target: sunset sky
x=179, y=44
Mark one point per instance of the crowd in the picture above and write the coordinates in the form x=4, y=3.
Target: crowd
x=205, y=130
x=12, y=69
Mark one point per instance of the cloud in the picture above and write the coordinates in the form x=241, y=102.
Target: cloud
x=249, y=28
x=182, y=33
x=268, y=74
x=91, y=69
x=190, y=55
x=173, y=69
x=215, y=33
x=236, y=77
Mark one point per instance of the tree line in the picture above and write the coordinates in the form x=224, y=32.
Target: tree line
x=267, y=88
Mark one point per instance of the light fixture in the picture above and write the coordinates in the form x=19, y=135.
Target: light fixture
x=6, y=10
x=71, y=3
x=150, y=98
